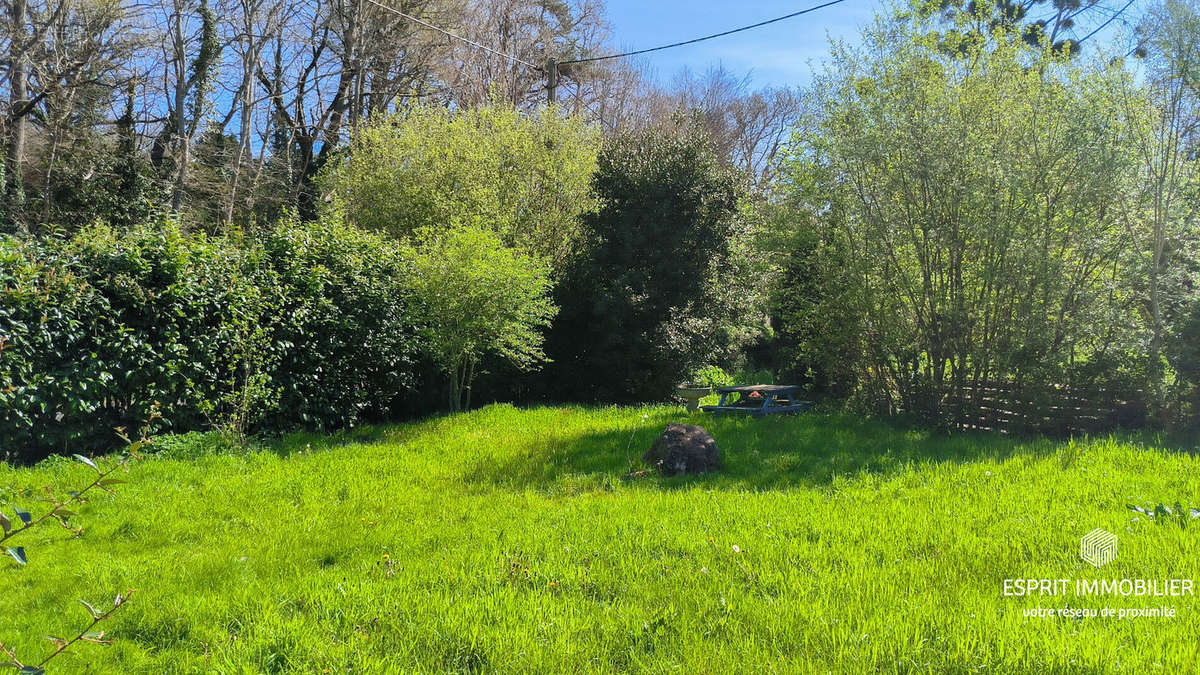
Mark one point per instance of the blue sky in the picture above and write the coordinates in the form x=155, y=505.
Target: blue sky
x=777, y=54
x=784, y=53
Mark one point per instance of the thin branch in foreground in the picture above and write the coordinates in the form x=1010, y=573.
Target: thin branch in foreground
x=61, y=644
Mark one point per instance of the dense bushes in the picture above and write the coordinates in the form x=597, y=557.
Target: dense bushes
x=100, y=327
x=343, y=335
x=307, y=324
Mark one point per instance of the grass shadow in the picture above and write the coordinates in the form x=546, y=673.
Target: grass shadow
x=573, y=449
x=806, y=450
x=295, y=442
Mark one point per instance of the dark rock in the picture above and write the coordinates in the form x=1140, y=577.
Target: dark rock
x=683, y=449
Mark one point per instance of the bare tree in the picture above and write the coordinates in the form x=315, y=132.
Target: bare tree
x=190, y=50
x=533, y=31
x=60, y=53
x=251, y=23
x=748, y=126
x=18, y=109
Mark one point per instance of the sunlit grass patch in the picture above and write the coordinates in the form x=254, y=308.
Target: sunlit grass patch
x=517, y=540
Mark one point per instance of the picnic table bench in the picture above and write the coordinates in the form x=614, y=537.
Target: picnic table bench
x=758, y=400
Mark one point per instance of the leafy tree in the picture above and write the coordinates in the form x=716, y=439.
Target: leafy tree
x=1162, y=111
x=97, y=182
x=480, y=299
x=816, y=341
x=644, y=301
x=973, y=203
x=62, y=59
x=1049, y=23
x=525, y=178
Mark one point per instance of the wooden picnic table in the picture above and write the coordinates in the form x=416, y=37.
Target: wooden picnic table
x=758, y=400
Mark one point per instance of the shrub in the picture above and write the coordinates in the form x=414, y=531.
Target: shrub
x=711, y=376
x=99, y=328
x=172, y=297
x=305, y=326
x=343, y=337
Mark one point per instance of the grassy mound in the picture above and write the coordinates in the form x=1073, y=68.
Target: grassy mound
x=512, y=540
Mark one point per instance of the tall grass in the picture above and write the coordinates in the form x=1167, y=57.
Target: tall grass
x=517, y=541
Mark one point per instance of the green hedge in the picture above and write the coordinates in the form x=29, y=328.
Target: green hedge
x=100, y=328
x=344, y=337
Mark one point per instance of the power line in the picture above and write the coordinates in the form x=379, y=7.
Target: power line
x=485, y=48
x=702, y=39
x=1110, y=20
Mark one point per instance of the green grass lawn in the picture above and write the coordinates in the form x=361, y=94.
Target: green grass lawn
x=511, y=540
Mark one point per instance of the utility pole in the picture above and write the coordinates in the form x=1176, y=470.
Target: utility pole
x=551, y=80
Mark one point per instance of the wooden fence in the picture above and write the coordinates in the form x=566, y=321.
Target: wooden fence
x=1056, y=410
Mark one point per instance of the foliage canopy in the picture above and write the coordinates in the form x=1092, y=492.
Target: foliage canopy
x=525, y=178
x=644, y=301
x=965, y=211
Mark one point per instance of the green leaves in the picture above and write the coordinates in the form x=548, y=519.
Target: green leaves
x=96, y=614
x=96, y=637
x=479, y=298
x=525, y=178
x=317, y=313
x=1161, y=513
x=18, y=554
x=87, y=461
x=959, y=211
x=644, y=301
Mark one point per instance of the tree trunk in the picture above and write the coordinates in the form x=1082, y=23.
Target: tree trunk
x=183, y=144
x=243, y=148
x=14, y=189
x=467, y=383
x=455, y=387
